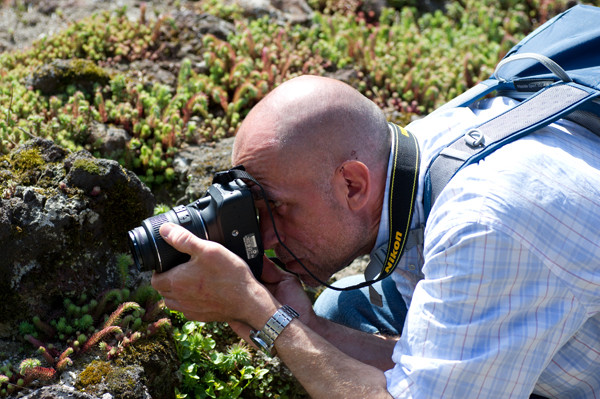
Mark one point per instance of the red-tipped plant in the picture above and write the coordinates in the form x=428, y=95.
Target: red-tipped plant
x=157, y=325
x=94, y=339
x=39, y=373
x=115, y=317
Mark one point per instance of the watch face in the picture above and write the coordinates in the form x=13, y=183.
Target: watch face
x=260, y=343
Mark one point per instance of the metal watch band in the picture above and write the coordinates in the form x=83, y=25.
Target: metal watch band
x=266, y=337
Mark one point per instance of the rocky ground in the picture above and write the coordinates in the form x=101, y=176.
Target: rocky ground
x=24, y=21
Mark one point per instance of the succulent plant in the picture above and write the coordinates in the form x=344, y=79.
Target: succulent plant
x=405, y=58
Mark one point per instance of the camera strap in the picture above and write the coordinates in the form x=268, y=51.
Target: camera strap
x=402, y=192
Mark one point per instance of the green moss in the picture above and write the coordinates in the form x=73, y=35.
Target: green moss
x=89, y=165
x=93, y=374
x=88, y=69
x=27, y=167
x=27, y=160
x=73, y=74
x=21, y=168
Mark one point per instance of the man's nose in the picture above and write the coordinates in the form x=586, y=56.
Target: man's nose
x=267, y=232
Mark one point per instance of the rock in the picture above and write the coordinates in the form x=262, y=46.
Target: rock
x=57, y=392
x=150, y=72
x=294, y=11
x=64, y=219
x=202, y=24
x=110, y=141
x=347, y=75
x=54, y=77
x=198, y=164
x=25, y=22
x=145, y=370
x=124, y=383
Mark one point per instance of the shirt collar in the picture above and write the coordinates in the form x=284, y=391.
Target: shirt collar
x=382, y=233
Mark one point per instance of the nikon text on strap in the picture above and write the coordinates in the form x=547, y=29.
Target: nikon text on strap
x=402, y=192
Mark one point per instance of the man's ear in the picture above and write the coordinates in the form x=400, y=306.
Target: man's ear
x=354, y=182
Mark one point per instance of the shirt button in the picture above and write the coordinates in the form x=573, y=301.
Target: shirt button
x=412, y=267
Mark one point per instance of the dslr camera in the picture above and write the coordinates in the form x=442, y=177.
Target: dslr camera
x=225, y=214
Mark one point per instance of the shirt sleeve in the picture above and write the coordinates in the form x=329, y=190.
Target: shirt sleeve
x=484, y=322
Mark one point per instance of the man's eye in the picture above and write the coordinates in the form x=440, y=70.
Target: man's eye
x=275, y=204
x=257, y=196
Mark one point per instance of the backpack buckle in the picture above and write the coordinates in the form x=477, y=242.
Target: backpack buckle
x=475, y=138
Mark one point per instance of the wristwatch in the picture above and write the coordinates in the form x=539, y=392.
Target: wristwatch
x=266, y=337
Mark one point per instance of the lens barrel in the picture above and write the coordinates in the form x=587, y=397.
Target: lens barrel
x=150, y=251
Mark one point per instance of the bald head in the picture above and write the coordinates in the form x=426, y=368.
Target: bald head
x=320, y=150
x=318, y=119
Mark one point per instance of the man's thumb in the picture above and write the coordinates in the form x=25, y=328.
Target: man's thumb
x=178, y=237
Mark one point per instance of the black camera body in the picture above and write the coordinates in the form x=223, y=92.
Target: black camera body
x=225, y=214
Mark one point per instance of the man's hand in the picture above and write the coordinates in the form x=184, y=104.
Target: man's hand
x=287, y=289
x=217, y=285
x=214, y=285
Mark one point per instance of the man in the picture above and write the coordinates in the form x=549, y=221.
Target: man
x=503, y=295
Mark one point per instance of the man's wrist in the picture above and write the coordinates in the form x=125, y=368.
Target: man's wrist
x=265, y=338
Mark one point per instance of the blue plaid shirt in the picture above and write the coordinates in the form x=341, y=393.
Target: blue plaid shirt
x=504, y=292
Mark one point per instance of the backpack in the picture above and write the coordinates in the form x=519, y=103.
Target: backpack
x=554, y=72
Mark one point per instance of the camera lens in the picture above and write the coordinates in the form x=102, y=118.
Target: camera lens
x=226, y=215
x=150, y=251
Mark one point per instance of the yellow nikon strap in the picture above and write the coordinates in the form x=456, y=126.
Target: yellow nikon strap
x=401, y=200
x=403, y=192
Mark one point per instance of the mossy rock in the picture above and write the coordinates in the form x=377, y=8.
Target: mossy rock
x=100, y=377
x=146, y=369
x=157, y=355
x=56, y=76
x=93, y=374
x=64, y=219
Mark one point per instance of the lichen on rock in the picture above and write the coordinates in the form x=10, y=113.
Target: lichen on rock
x=146, y=369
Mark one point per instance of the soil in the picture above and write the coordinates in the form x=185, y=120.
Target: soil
x=24, y=21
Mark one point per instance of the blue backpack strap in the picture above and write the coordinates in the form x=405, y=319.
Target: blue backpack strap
x=563, y=82
x=541, y=109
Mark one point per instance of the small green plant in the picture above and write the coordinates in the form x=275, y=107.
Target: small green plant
x=216, y=364
x=161, y=208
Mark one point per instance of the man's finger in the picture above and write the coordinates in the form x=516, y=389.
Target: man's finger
x=271, y=273
x=161, y=283
x=179, y=238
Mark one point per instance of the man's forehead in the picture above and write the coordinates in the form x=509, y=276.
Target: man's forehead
x=260, y=125
x=250, y=145
x=277, y=176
